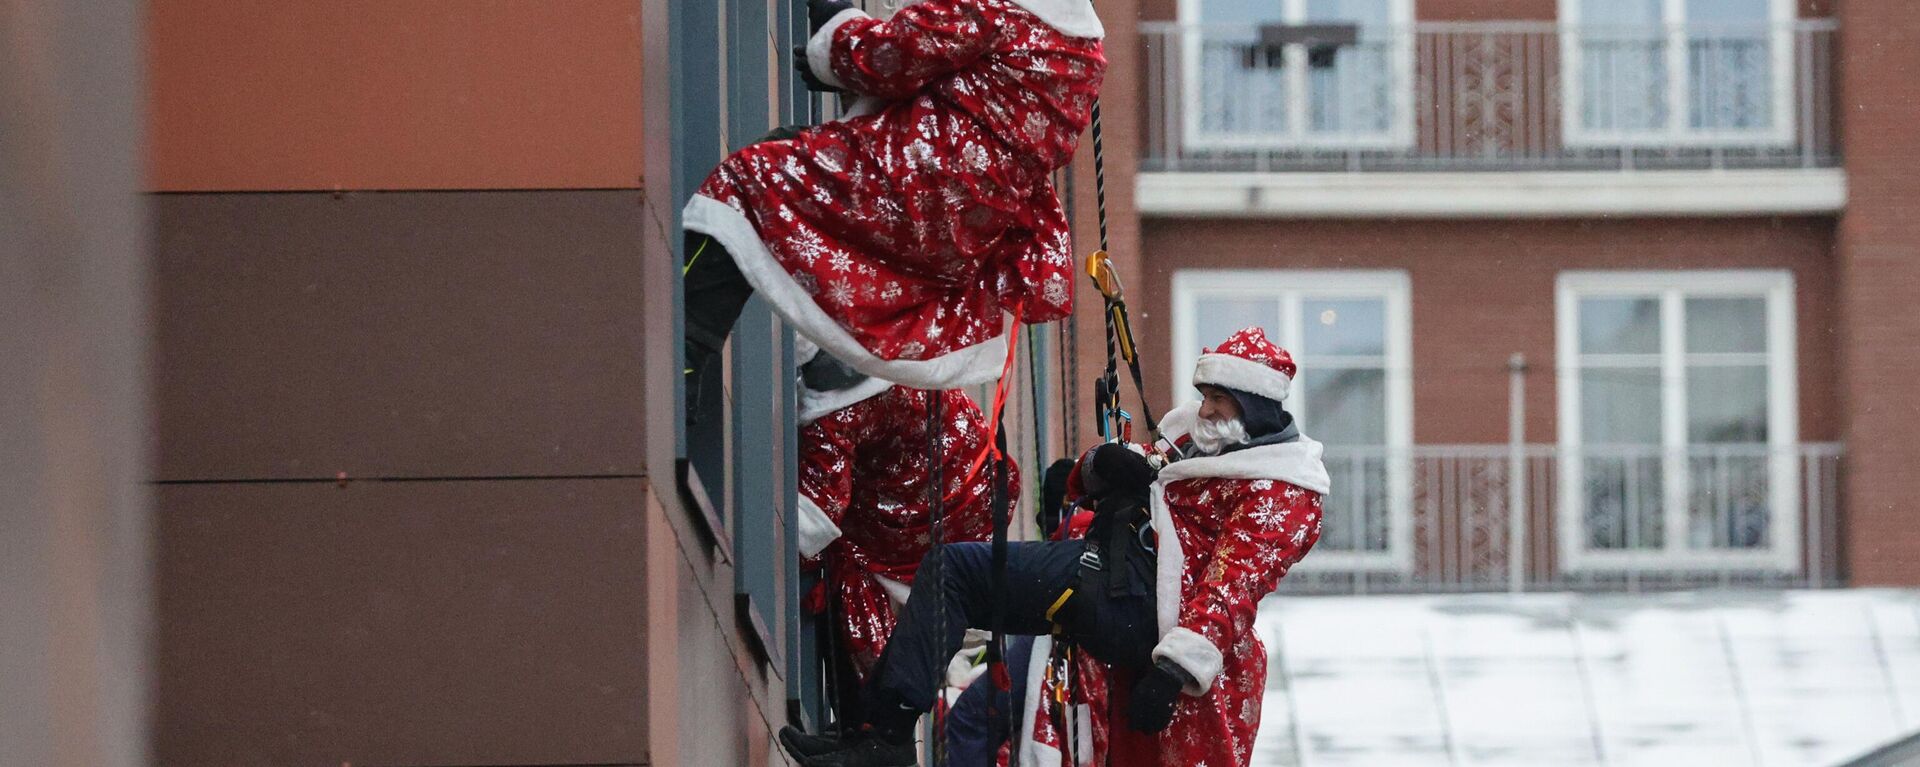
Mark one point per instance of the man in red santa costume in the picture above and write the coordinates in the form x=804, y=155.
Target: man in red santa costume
x=898, y=240
x=1170, y=605
x=864, y=475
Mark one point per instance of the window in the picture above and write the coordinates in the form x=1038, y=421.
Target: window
x=1349, y=333
x=1704, y=72
x=1678, y=420
x=1245, y=90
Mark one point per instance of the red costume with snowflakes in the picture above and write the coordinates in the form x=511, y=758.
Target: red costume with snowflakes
x=864, y=513
x=1229, y=527
x=898, y=239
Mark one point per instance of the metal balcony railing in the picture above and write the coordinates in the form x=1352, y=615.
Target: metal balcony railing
x=1466, y=518
x=1491, y=97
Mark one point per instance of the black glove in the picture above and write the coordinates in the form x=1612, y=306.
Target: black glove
x=805, y=68
x=819, y=12
x=1150, y=707
x=1113, y=471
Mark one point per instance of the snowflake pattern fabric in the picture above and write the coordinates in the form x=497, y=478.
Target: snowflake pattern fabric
x=1240, y=537
x=917, y=227
x=1250, y=343
x=866, y=466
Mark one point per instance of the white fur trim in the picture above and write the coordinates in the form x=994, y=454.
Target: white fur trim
x=815, y=405
x=1169, y=563
x=820, y=46
x=976, y=364
x=1243, y=374
x=817, y=530
x=1074, y=18
x=1194, y=654
x=1296, y=463
x=1033, y=753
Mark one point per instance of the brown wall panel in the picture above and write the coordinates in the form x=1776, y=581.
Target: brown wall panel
x=406, y=334
x=1482, y=290
x=393, y=94
x=417, y=623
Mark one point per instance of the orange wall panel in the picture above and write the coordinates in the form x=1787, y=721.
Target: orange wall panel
x=393, y=94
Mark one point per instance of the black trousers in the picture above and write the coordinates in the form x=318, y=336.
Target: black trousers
x=713, y=289
x=953, y=592
x=714, y=294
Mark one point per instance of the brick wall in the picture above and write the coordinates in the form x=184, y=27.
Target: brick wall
x=1879, y=260
x=1482, y=290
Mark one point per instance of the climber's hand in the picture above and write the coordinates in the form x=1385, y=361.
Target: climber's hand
x=1113, y=470
x=805, y=68
x=1151, y=706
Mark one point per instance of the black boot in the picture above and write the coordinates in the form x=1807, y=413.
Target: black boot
x=870, y=749
x=803, y=745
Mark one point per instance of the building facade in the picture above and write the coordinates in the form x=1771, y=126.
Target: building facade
x=427, y=489
x=1586, y=295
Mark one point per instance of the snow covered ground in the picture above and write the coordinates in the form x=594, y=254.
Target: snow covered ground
x=1771, y=679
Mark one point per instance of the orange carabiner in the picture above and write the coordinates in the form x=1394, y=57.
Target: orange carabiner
x=1100, y=268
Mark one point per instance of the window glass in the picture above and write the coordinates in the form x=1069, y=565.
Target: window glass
x=1729, y=65
x=1620, y=12
x=1241, y=11
x=1363, y=12
x=1620, y=406
x=1345, y=406
x=1726, y=325
x=1729, y=79
x=1726, y=11
x=1619, y=326
x=1345, y=327
x=1341, y=393
x=1252, y=93
x=1677, y=453
x=1217, y=318
x=1727, y=405
x=1624, y=502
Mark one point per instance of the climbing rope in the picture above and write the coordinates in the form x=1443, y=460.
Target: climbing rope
x=1119, y=328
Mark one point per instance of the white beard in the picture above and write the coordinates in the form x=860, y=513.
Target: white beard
x=1211, y=437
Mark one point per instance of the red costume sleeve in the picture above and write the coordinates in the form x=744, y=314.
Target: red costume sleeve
x=828, y=449
x=894, y=59
x=1273, y=526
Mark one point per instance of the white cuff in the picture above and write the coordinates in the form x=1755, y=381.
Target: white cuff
x=1193, y=654
x=820, y=47
x=817, y=530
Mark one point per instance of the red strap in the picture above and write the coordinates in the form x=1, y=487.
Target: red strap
x=1000, y=390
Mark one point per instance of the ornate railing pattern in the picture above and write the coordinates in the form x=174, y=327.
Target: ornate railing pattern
x=1442, y=519
x=1491, y=96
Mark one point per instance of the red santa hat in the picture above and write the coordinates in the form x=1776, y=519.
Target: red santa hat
x=1247, y=362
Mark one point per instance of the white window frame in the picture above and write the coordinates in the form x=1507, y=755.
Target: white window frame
x=1290, y=288
x=1672, y=288
x=1781, y=15
x=1399, y=133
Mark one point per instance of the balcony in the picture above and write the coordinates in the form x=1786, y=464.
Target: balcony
x=1441, y=519
x=1491, y=119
